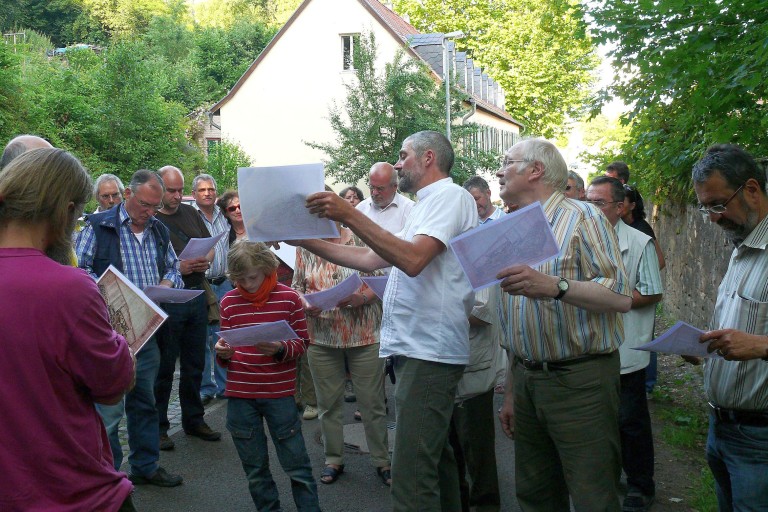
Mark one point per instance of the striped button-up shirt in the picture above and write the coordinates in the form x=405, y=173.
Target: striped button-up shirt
x=550, y=330
x=742, y=303
x=218, y=225
x=139, y=258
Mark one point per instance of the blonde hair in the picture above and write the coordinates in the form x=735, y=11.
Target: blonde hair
x=244, y=257
x=39, y=185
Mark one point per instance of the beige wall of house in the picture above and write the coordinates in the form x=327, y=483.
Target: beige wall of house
x=285, y=101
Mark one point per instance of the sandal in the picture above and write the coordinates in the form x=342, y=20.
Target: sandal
x=331, y=474
x=385, y=475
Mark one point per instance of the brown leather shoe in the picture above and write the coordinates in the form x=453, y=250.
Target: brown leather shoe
x=204, y=432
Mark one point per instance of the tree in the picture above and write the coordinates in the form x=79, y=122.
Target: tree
x=223, y=160
x=382, y=109
x=694, y=75
x=539, y=51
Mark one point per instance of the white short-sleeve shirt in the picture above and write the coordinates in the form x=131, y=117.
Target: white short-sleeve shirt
x=426, y=317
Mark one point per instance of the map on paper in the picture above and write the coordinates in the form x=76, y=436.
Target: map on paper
x=327, y=299
x=255, y=334
x=377, y=283
x=523, y=237
x=683, y=339
x=131, y=313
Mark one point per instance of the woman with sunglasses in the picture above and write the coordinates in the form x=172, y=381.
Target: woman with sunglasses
x=229, y=202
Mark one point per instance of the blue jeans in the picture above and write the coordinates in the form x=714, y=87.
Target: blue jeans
x=139, y=408
x=214, y=376
x=183, y=336
x=636, y=435
x=245, y=421
x=738, y=457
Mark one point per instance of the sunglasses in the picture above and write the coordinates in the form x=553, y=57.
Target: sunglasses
x=232, y=209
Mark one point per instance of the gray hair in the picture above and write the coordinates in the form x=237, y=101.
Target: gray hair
x=477, y=182
x=143, y=176
x=555, y=168
x=203, y=177
x=573, y=175
x=618, y=193
x=105, y=178
x=735, y=165
x=438, y=143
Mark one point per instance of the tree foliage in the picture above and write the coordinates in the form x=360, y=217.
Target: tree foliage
x=539, y=51
x=223, y=160
x=694, y=73
x=383, y=108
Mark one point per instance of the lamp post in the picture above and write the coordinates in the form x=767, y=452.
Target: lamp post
x=458, y=34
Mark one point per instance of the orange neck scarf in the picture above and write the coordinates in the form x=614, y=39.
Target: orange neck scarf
x=260, y=297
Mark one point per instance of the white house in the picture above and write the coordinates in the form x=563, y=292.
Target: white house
x=282, y=100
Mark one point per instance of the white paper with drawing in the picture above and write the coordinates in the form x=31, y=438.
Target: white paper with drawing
x=200, y=247
x=327, y=299
x=131, y=313
x=255, y=334
x=165, y=295
x=523, y=237
x=273, y=203
x=681, y=338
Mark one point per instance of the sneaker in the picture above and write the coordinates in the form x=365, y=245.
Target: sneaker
x=349, y=392
x=310, y=412
x=166, y=443
x=204, y=432
x=636, y=501
x=161, y=478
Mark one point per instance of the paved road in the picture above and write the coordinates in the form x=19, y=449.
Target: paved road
x=214, y=480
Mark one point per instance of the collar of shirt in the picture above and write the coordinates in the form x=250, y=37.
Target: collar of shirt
x=125, y=219
x=432, y=187
x=758, y=237
x=216, y=213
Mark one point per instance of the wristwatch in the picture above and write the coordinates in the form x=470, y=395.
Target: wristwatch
x=562, y=285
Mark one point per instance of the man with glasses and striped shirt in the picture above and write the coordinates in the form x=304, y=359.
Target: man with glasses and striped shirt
x=730, y=188
x=563, y=329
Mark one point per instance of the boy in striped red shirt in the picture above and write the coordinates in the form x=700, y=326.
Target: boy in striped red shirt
x=261, y=379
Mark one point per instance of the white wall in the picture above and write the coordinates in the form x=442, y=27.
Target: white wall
x=286, y=99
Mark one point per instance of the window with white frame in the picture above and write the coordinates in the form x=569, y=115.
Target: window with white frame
x=348, y=42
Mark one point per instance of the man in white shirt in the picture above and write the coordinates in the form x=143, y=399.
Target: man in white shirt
x=427, y=304
x=639, y=256
x=386, y=207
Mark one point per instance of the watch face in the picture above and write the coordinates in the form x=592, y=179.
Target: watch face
x=563, y=285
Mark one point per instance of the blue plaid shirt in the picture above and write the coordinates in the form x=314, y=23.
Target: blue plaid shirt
x=139, y=258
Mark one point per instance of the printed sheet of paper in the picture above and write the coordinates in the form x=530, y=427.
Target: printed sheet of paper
x=200, y=247
x=255, y=334
x=682, y=339
x=131, y=312
x=377, y=283
x=287, y=253
x=523, y=237
x=273, y=201
x=165, y=295
x=327, y=299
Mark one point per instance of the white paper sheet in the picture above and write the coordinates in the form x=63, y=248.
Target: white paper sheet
x=255, y=334
x=682, y=339
x=165, y=295
x=200, y=247
x=523, y=237
x=287, y=253
x=273, y=201
x=327, y=299
x=377, y=283
x=131, y=312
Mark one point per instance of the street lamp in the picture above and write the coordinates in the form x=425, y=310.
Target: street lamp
x=458, y=34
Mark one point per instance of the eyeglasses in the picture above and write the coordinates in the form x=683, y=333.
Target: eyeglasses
x=233, y=209
x=602, y=204
x=718, y=209
x=147, y=206
x=107, y=197
x=507, y=162
x=380, y=190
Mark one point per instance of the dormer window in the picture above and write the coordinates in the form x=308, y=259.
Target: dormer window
x=348, y=42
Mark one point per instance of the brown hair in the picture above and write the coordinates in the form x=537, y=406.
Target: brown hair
x=244, y=257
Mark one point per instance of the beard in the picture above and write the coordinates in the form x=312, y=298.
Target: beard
x=739, y=232
x=405, y=183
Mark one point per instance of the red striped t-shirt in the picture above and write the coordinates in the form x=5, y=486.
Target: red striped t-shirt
x=251, y=374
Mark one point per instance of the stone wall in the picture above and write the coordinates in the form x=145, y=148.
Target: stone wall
x=697, y=254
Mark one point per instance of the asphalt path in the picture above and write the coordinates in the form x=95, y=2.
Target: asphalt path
x=214, y=480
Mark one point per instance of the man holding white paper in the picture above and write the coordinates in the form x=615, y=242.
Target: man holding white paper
x=639, y=256
x=185, y=333
x=426, y=306
x=130, y=238
x=730, y=187
x=563, y=329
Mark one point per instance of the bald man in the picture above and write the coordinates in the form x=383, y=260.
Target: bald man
x=386, y=207
x=21, y=144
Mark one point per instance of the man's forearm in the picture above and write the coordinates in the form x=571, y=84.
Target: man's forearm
x=640, y=301
x=358, y=258
x=596, y=298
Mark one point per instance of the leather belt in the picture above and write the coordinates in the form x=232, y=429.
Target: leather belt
x=555, y=365
x=753, y=418
x=216, y=281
